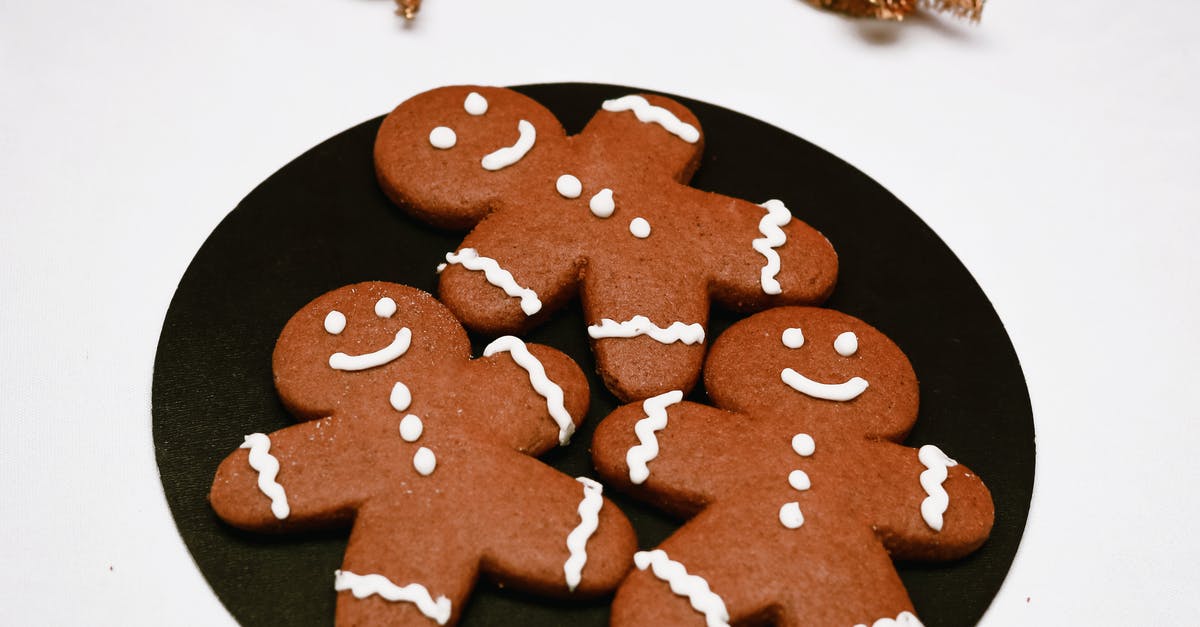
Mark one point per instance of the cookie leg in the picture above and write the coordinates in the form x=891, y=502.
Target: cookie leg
x=402, y=572
x=648, y=330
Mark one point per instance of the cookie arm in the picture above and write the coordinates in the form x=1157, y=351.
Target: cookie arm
x=908, y=497
x=504, y=278
x=766, y=256
x=295, y=478
x=549, y=534
x=681, y=464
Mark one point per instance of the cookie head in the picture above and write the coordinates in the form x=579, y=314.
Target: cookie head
x=833, y=369
x=451, y=155
x=344, y=351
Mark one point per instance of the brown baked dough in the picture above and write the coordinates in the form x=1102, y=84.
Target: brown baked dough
x=700, y=245
x=730, y=470
x=488, y=507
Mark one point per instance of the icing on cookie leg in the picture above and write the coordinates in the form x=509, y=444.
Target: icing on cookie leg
x=694, y=587
x=363, y=586
x=589, y=520
x=656, y=420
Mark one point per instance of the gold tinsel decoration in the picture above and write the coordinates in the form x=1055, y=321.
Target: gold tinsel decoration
x=900, y=9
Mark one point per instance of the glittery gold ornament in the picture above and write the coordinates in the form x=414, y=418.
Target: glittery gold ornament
x=899, y=9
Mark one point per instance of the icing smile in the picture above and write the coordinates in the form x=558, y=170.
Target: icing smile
x=387, y=354
x=845, y=391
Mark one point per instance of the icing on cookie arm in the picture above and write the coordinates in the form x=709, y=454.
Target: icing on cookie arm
x=690, y=465
x=283, y=480
x=926, y=505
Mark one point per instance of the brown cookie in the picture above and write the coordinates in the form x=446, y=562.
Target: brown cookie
x=607, y=212
x=427, y=455
x=798, y=491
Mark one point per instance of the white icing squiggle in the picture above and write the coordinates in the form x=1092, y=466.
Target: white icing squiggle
x=694, y=587
x=470, y=259
x=641, y=325
x=656, y=420
x=399, y=346
x=363, y=586
x=504, y=157
x=934, y=506
x=262, y=461
x=589, y=521
x=904, y=619
x=771, y=227
x=649, y=113
x=541, y=383
x=845, y=391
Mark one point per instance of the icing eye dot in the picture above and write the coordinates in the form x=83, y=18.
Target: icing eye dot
x=335, y=322
x=846, y=344
x=443, y=137
x=569, y=186
x=793, y=337
x=475, y=104
x=640, y=228
x=803, y=444
x=385, y=307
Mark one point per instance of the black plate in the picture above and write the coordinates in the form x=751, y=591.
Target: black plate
x=322, y=222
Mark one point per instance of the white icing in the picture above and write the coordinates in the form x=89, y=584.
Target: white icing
x=342, y=361
x=649, y=113
x=475, y=104
x=793, y=337
x=411, y=428
x=799, y=480
x=602, y=204
x=400, y=397
x=694, y=587
x=656, y=420
x=501, y=278
x=773, y=237
x=803, y=444
x=904, y=619
x=443, y=137
x=568, y=186
x=537, y=377
x=385, y=307
x=641, y=325
x=589, y=521
x=335, y=322
x=263, y=462
x=846, y=344
x=504, y=157
x=845, y=391
x=424, y=461
x=934, y=506
x=791, y=516
x=440, y=267
x=640, y=228
x=363, y=586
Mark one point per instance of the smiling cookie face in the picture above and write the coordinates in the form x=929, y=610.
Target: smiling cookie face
x=347, y=350
x=817, y=363
x=486, y=140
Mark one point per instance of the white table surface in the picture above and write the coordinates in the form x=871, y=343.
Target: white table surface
x=1058, y=154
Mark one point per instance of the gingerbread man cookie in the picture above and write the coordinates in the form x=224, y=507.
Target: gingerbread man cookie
x=427, y=455
x=607, y=213
x=798, y=493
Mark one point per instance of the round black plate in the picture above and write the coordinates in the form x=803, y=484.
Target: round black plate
x=322, y=222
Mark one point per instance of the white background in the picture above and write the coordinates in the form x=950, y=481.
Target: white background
x=1055, y=148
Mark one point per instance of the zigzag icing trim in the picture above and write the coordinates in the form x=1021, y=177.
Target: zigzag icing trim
x=904, y=619
x=934, y=506
x=655, y=420
x=771, y=227
x=641, y=325
x=589, y=521
x=694, y=587
x=541, y=383
x=363, y=586
x=262, y=461
x=649, y=113
x=470, y=259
